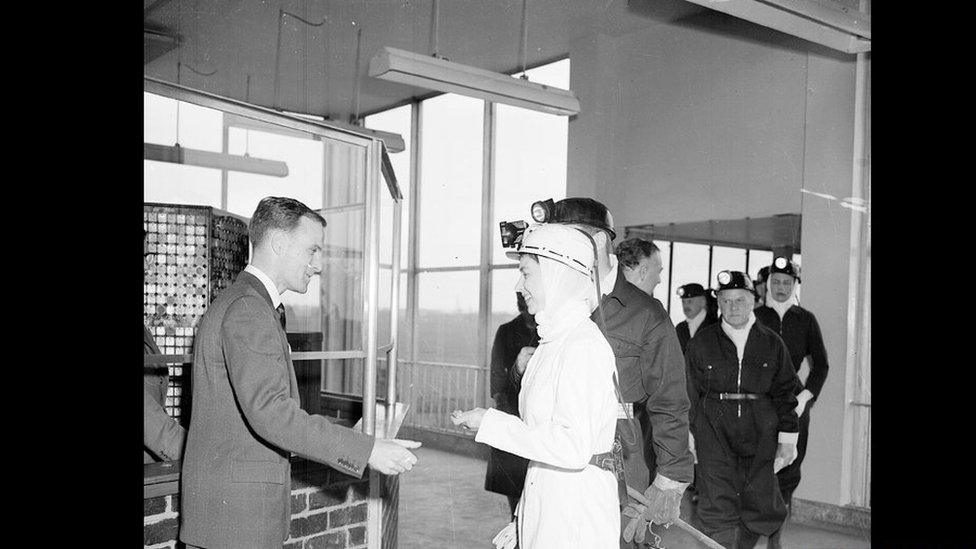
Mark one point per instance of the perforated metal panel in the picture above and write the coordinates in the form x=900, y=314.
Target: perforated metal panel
x=194, y=253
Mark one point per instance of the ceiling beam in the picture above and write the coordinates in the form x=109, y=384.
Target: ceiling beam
x=829, y=13
x=804, y=26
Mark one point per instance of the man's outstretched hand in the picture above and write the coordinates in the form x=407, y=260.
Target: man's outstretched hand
x=391, y=457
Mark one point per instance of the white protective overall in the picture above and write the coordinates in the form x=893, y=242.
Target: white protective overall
x=569, y=412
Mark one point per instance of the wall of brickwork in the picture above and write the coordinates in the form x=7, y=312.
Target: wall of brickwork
x=328, y=510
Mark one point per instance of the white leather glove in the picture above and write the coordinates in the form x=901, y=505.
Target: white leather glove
x=803, y=398
x=506, y=539
x=785, y=454
x=691, y=446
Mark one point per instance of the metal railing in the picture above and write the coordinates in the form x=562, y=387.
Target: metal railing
x=435, y=389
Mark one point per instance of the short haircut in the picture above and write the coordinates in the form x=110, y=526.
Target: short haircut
x=276, y=212
x=631, y=251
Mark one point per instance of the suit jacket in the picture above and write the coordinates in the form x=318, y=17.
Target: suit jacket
x=162, y=435
x=684, y=332
x=247, y=419
x=801, y=333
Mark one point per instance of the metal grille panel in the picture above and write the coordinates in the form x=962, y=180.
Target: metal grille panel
x=195, y=252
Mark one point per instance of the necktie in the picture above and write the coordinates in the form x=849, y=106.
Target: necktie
x=281, y=314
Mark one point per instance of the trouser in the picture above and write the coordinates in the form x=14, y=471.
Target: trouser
x=739, y=497
x=789, y=477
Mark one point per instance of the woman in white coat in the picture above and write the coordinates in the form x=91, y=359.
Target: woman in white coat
x=567, y=402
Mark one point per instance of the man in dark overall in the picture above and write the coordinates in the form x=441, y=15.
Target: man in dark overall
x=694, y=303
x=650, y=372
x=801, y=333
x=742, y=387
x=515, y=341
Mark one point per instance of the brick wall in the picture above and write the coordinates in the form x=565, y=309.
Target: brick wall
x=328, y=510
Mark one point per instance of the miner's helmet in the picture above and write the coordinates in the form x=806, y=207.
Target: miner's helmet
x=584, y=211
x=563, y=243
x=733, y=280
x=783, y=265
x=690, y=290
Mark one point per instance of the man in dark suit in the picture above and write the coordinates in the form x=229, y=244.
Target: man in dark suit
x=694, y=303
x=162, y=436
x=515, y=341
x=650, y=372
x=247, y=418
x=800, y=331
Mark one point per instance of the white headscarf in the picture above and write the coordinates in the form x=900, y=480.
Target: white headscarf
x=569, y=298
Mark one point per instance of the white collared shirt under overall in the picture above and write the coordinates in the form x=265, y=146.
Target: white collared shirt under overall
x=695, y=322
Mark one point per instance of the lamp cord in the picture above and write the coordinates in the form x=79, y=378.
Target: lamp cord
x=356, y=79
x=435, y=16
x=523, y=40
x=281, y=16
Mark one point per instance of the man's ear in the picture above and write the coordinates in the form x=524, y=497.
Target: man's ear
x=645, y=269
x=279, y=241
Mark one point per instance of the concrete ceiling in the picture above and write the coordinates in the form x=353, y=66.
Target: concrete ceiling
x=220, y=44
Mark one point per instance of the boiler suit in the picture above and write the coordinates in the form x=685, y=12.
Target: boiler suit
x=736, y=440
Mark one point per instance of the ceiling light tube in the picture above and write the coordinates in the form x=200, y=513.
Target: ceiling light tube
x=432, y=73
x=176, y=154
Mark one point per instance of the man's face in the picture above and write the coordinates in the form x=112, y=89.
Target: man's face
x=781, y=286
x=736, y=306
x=646, y=275
x=301, y=255
x=530, y=283
x=692, y=305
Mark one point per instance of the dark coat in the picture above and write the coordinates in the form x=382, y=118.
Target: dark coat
x=162, y=436
x=684, y=332
x=247, y=419
x=506, y=472
x=801, y=333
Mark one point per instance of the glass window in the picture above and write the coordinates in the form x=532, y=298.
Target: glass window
x=727, y=259
x=530, y=156
x=504, y=304
x=663, y=291
x=396, y=121
x=447, y=317
x=450, y=208
x=690, y=265
x=757, y=260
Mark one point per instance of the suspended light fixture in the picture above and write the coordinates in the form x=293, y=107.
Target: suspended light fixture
x=176, y=154
x=436, y=73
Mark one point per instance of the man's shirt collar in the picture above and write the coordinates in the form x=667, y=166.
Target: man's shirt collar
x=268, y=284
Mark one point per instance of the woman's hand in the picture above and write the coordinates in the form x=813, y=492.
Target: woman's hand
x=470, y=420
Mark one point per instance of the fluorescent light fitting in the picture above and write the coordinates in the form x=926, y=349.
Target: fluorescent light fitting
x=176, y=154
x=432, y=73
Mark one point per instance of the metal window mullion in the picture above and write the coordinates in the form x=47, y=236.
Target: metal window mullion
x=671, y=273
x=487, y=216
x=708, y=279
x=413, y=236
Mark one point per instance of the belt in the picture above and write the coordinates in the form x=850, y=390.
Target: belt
x=625, y=410
x=735, y=396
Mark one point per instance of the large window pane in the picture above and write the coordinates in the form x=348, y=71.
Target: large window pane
x=690, y=265
x=193, y=126
x=530, y=156
x=447, y=317
x=757, y=260
x=397, y=121
x=727, y=259
x=664, y=290
x=504, y=304
x=450, y=209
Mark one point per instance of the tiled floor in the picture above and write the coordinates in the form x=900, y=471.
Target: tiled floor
x=443, y=504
